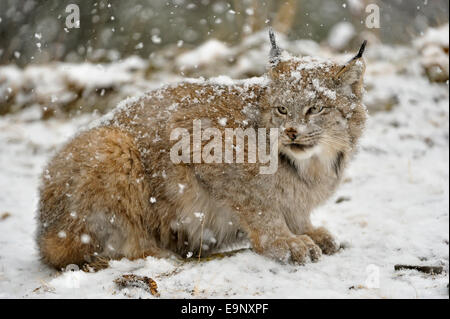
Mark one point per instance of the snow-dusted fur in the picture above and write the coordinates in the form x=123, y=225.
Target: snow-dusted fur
x=113, y=191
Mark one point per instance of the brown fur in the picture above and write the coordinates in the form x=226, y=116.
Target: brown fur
x=116, y=185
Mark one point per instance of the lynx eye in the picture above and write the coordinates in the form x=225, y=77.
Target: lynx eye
x=282, y=110
x=315, y=110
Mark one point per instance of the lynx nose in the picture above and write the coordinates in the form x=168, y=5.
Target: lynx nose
x=291, y=133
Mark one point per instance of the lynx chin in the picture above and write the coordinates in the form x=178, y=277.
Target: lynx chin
x=112, y=192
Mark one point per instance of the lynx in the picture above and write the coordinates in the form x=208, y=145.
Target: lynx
x=113, y=192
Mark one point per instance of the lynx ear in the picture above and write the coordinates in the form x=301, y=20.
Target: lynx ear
x=275, y=52
x=350, y=76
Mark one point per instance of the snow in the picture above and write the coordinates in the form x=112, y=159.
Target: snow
x=433, y=46
x=85, y=238
x=436, y=36
x=223, y=121
x=340, y=35
x=392, y=208
x=204, y=54
x=224, y=80
x=58, y=85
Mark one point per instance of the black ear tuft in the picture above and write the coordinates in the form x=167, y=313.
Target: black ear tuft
x=275, y=51
x=351, y=63
x=350, y=75
x=361, y=50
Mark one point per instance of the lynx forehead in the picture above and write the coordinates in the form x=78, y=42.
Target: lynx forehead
x=131, y=200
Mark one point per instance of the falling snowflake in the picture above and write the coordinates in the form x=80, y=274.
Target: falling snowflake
x=199, y=215
x=156, y=39
x=85, y=238
x=62, y=234
x=223, y=121
x=181, y=188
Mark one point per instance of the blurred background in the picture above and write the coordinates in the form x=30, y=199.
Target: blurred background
x=112, y=29
x=123, y=48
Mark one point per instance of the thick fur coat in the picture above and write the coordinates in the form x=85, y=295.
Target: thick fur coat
x=113, y=191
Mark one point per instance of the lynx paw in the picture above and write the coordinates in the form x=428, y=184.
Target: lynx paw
x=324, y=240
x=308, y=249
x=298, y=249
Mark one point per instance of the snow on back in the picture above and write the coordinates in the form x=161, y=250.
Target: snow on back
x=108, y=118
x=224, y=80
x=217, y=83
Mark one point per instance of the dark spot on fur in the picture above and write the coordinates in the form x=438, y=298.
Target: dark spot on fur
x=290, y=163
x=284, y=158
x=338, y=163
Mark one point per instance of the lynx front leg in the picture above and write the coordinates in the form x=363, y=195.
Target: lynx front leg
x=271, y=237
x=323, y=238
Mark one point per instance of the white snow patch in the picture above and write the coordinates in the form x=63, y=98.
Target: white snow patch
x=204, y=54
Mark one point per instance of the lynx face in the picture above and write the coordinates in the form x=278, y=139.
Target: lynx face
x=314, y=111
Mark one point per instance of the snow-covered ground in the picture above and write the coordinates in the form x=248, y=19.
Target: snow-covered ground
x=393, y=208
